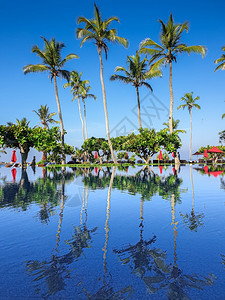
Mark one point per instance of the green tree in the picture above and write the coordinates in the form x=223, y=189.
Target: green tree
x=45, y=116
x=137, y=75
x=52, y=63
x=76, y=83
x=175, y=124
x=166, y=53
x=189, y=103
x=84, y=92
x=97, y=30
x=220, y=61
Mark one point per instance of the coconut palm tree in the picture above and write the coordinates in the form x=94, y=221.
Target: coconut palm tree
x=97, y=30
x=52, y=63
x=44, y=116
x=189, y=103
x=166, y=53
x=76, y=83
x=220, y=61
x=85, y=88
x=137, y=75
x=175, y=124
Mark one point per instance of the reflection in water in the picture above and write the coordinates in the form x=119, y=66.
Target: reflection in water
x=193, y=220
x=150, y=264
x=140, y=257
x=147, y=262
x=106, y=290
x=56, y=270
x=45, y=192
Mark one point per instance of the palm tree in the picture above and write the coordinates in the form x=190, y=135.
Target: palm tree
x=175, y=124
x=76, y=83
x=52, y=63
x=189, y=103
x=167, y=52
x=44, y=115
x=85, y=88
x=98, y=31
x=220, y=61
x=137, y=75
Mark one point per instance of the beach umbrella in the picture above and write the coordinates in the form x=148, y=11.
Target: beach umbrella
x=174, y=171
x=160, y=155
x=14, y=174
x=215, y=150
x=96, y=155
x=216, y=173
x=14, y=159
x=160, y=169
x=173, y=154
x=206, y=169
x=197, y=153
x=96, y=170
x=205, y=153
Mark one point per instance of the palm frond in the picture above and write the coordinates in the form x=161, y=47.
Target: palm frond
x=193, y=49
x=120, y=78
x=67, y=58
x=35, y=68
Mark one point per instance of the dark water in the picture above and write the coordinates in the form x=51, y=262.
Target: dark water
x=112, y=234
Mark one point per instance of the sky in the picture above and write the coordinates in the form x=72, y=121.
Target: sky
x=23, y=23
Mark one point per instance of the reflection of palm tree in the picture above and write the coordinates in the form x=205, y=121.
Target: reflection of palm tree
x=106, y=291
x=53, y=271
x=173, y=277
x=82, y=235
x=193, y=220
x=140, y=258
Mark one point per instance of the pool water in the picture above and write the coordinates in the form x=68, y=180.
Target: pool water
x=128, y=233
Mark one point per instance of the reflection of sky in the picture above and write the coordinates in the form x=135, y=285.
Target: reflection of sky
x=23, y=237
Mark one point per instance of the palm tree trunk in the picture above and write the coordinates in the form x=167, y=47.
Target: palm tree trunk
x=105, y=106
x=61, y=211
x=193, y=193
x=61, y=121
x=82, y=122
x=107, y=221
x=171, y=100
x=139, y=109
x=85, y=120
x=190, y=134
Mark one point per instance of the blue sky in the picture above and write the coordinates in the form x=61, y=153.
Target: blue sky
x=23, y=22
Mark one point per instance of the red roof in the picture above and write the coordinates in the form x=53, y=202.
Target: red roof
x=215, y=150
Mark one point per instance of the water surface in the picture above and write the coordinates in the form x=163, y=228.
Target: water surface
x=153, y=233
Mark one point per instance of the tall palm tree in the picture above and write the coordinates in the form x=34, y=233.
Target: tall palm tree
x=220, y=61
x=137, y=75
x=97, y=30
x=166, y=53
x=175, y=124
x=221, y=66
x=52, y=63
x=76, y=83
x=44, y=116
x=85, y=88
x=189, y=103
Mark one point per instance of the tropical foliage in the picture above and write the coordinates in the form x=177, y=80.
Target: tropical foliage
x=166, y=53
x=45, y=116
x=98, y=31
x=137, y=75
x=53, y=64
x=190, y=103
